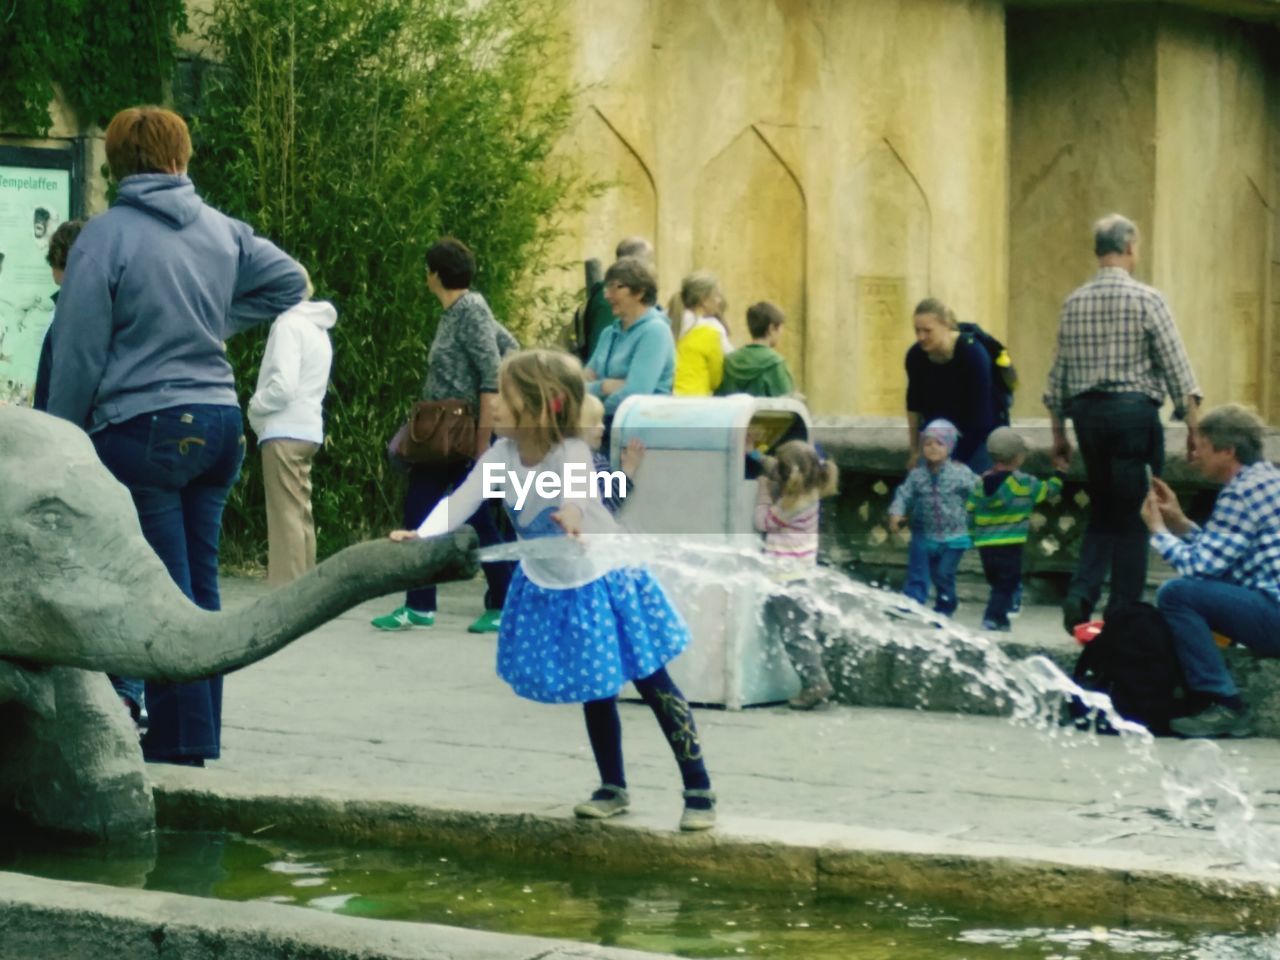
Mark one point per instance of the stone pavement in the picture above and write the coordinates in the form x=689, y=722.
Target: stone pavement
x=350, y=711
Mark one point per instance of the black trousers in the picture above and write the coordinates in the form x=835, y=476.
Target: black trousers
x=428, y=485
x=659, y=691
x=1003, y=567
x=1120, y=436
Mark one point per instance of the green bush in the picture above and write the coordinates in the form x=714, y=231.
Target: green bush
x=104, y=55
x=353, y=133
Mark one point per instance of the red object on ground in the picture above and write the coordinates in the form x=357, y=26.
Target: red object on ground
x=1084, y=632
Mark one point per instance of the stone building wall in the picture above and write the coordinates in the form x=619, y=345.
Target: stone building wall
x=843, y=159
x=847, y=157
x=1082, y=143
x=1214, y=193
x=1161, y=113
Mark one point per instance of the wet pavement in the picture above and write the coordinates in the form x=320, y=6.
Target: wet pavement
x=351, y=711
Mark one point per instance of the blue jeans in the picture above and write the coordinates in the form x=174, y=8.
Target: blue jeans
x=1197, y=609
x=931, y=561
x=179, y=465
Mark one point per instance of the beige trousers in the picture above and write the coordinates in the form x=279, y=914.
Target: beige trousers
x=291, y=531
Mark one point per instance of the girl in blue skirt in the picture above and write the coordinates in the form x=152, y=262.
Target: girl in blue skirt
x=575, y=628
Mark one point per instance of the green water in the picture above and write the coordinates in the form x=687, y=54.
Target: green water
x=682, y=914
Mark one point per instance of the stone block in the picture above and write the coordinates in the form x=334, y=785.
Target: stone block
x=919, y=673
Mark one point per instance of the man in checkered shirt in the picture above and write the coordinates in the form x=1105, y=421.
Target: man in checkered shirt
x=1229, y=581
x=1118, y=356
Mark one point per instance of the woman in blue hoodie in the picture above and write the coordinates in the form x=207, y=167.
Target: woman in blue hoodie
x=153, y=288
x=636, y=354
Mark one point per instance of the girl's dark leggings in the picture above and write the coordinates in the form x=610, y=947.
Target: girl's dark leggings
x=668, y=704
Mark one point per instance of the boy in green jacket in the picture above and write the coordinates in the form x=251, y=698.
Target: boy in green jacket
x=757, y=368
x=1000, y=509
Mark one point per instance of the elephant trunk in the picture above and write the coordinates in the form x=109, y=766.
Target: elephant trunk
x=175, y=641
x=221, y=642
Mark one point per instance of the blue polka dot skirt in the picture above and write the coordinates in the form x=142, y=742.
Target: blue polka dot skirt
x=585, y=643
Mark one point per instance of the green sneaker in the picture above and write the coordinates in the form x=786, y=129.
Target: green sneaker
x=488, y=622
x=402, y=618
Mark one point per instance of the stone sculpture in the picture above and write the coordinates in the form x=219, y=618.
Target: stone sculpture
x=82, y=594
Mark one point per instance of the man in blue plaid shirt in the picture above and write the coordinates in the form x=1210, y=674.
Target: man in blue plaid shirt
x=1118, y=356
x=1229, y=581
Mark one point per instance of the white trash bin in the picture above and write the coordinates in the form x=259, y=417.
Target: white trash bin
x=692, y=485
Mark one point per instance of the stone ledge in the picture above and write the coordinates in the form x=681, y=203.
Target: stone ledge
x=86, y=921
x=878, y=445
x=909, y=675
x=752, y=853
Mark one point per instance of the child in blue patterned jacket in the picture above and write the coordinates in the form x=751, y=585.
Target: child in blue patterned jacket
x=932, y=500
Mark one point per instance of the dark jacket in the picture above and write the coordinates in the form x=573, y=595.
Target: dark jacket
x=958, y=390
x=45, y=366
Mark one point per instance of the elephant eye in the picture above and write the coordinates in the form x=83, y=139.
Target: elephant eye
x=51, y=513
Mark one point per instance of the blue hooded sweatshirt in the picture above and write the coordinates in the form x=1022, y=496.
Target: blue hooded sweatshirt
x=153, y=288
x=644, y=356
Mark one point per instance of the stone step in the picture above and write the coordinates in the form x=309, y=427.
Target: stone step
x=909, y=666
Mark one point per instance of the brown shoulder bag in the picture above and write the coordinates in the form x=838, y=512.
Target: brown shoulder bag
x=441, y=432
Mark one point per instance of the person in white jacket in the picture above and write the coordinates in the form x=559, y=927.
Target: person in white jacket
x=285, y=412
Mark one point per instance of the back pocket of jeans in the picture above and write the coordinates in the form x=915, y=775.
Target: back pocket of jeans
x=178, y=442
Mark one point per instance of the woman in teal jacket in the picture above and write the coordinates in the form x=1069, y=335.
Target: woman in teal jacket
x=636, y=355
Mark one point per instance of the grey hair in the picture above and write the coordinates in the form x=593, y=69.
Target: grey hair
x=1113, y=234
x=634, y=247
x=697, y=287
x=1234, y=426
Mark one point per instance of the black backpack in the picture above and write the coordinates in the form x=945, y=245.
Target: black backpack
x=1004, y=377
x=1133, y=661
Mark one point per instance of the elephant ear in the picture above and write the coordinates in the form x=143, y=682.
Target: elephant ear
x=32, y=687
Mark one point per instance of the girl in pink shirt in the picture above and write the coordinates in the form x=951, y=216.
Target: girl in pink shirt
x=795, y=481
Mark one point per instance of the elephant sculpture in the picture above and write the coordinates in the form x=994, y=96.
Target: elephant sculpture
x=82, y=594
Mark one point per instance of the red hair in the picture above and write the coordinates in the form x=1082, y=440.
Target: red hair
x=147, y=140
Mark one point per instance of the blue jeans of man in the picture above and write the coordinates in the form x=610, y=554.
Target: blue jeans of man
x=179, y=465
x=932, y=561
x=428, y=485
x=1197, y=609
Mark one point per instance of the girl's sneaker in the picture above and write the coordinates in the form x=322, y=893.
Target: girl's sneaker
x=701, y=815
x=402, y=618
x=608, y=801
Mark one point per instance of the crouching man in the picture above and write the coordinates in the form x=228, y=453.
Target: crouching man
x=1229, y=570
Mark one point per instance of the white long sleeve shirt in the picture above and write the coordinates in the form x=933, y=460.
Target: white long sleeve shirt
x=287, y=403
x=568, y=564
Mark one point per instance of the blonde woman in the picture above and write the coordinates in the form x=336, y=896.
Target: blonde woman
x=704, y=340
x=949, y=378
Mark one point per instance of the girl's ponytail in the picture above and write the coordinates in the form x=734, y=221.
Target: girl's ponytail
x=801, y=471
